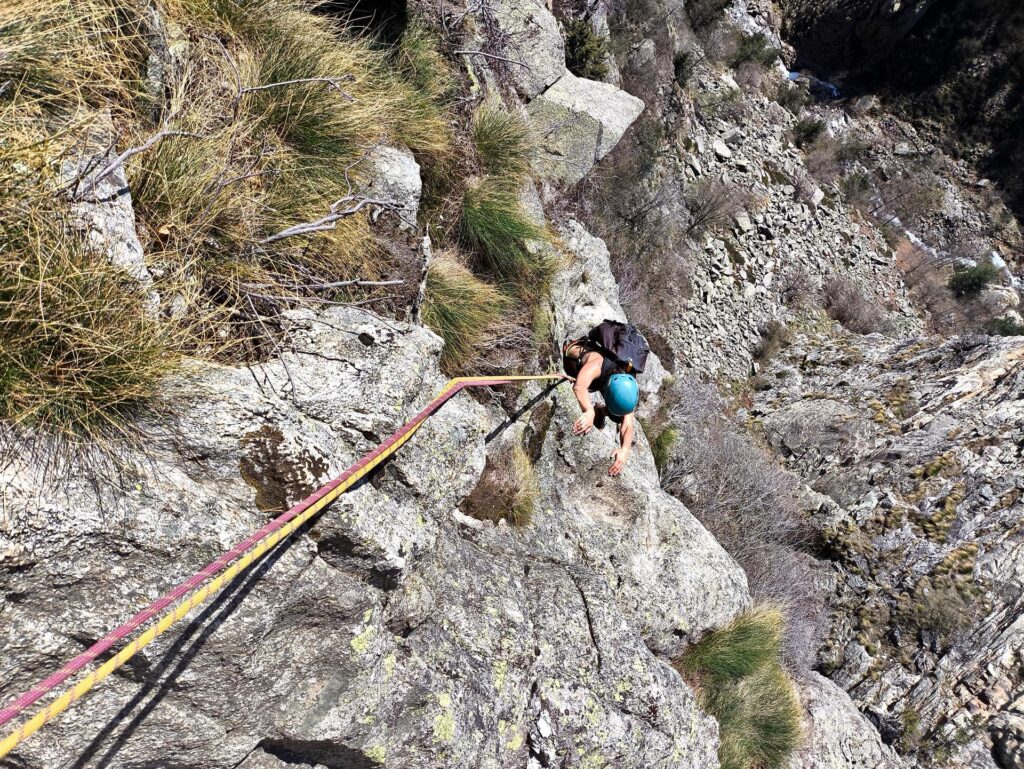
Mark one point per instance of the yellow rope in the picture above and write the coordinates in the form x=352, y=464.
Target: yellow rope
x=69, y=696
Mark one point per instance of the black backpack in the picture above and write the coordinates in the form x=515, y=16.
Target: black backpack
x=624, y=343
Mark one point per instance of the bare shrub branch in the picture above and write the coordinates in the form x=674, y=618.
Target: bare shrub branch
x=328, y=222
x=713, y=204
x=90, y=184
x=847, y=303
x=750, y=505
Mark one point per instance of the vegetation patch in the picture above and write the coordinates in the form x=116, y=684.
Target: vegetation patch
x=741, y=682
x=756, y=49
x=247, y=165
x=508, y=489
x=79, y=352
x=460, y=308
x=497, y=228
x=807, y=131
x=847, y=303
x=773, y=337
x=504, y=143
x=585, y=50
x=971, y=281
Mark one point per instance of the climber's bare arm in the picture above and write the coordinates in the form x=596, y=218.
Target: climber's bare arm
x=581, y=389
x=621, y=455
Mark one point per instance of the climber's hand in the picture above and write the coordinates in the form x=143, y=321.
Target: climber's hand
x=620, y=456
x=584, y=424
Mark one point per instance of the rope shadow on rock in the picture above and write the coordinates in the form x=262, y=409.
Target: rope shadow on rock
x=205, y=625
x=529, y=405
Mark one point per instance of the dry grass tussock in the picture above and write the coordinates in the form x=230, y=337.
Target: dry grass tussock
x=508, y=489
x=63, y=54
x=249, y=193
x=462, y=309
x=79, y=352
x=741, y=682
x=747, y=502
x=479, y=212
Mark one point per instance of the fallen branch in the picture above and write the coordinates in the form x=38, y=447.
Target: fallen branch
x=128, y=154
x=492, y=56
x=328, y=222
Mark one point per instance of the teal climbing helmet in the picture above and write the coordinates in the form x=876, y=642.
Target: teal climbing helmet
x=621, y=394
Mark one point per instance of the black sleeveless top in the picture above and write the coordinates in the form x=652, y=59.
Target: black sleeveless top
x=608, y=367
x=573, y=366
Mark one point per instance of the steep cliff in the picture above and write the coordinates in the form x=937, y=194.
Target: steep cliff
x=418, y=621
x=953, y=68
x=912, y=454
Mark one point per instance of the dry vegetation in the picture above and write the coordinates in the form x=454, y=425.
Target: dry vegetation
x=854, y=308
x=746, y=501
x=712, y=205
x=507, y=491
x=740, y=681
x=248, y=158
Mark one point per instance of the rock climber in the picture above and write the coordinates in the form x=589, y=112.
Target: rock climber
x=607, y=360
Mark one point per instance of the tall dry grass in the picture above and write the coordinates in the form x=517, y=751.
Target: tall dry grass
x=266, y=122
x=740, y=681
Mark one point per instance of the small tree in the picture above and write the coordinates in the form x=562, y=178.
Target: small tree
x=807, y=131
x=585, y=50
x=971, y=281
x=683, y=66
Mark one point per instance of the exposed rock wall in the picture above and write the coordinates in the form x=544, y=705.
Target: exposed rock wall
x=718, y=287
x=913, y=452
x=388, y=633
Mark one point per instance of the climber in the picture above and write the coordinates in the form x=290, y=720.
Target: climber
x=607, y=360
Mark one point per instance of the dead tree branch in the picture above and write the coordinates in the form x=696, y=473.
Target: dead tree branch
x=491, y=56
x=354, y=204
x=128, y=154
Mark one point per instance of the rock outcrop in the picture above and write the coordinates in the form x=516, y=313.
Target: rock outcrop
x=837, y=734
x=579, y=122
x=913, y=453
x=392, y=632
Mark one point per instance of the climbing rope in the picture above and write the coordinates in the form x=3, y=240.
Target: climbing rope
x=228, y=566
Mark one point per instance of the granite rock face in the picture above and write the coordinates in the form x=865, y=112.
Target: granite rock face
x=393, y=631
x=912, y=451
x=579, y=121
x=395, y=178
x=529, y=33
x=837, y=734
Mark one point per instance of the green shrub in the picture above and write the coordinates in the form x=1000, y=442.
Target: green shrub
x=807, y=131
x=683, y=65
x=497, y=228
x=971, y=281
x=856, y=188
x=585, y=50
x=741, y=683
x=792, y=97
x=852, y=149
x=704, y=13
x=504, y=143
x=508, y=489
x=1004, y=327
x=754, y=48
x=461, y=309
x=662, y=439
